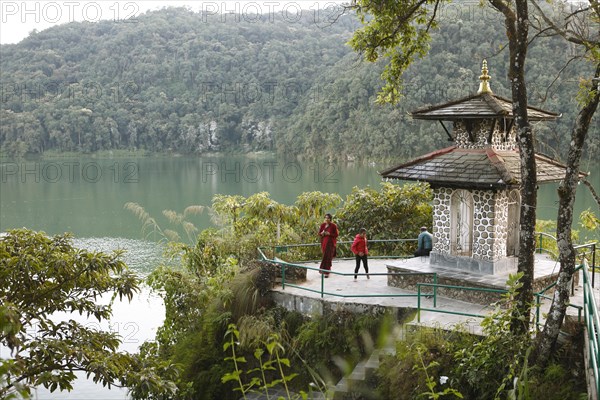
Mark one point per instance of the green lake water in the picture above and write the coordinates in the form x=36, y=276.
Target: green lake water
x=86, y=195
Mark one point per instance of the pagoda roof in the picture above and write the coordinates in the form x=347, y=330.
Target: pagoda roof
x=480, y=105
x=484, y=104
x=474, y=169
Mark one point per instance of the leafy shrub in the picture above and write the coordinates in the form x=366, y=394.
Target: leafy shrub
x=403, y=376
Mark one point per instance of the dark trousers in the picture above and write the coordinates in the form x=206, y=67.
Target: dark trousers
x=422, y=252
x=365, y=264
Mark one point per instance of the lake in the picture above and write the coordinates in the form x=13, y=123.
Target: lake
x=86, y=195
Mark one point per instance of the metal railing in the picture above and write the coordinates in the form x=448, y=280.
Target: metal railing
x=541, y=238
x=378, y=248
x=589, y=309
x=589, y=253
x=284, y=265
x=592, y=323
x=435, y=286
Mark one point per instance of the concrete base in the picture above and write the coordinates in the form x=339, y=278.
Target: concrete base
x=506, y=265
x=308, y=305
x=409, y=272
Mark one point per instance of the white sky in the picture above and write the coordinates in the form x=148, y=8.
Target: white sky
x=19, y=17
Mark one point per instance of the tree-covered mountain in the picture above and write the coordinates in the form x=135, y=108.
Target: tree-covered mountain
x=169, y=81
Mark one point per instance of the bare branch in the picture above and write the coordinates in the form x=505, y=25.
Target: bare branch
x=567, y=33
x=543, y=99
x=591, y=187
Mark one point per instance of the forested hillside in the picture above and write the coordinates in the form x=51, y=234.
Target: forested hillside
x=171, y=82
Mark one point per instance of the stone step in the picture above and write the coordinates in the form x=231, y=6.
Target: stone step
x=275, y=393
x=358, y=380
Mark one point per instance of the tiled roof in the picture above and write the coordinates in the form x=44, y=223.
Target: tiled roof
x=484, y=105
x=473, y=169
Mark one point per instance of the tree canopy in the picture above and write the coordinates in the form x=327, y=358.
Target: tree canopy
x=171, y=82
x=41, y=276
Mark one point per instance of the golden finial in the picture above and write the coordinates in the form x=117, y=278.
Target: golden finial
x=484, y=85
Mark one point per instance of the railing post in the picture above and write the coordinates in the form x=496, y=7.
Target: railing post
x=435, y=281
x=541, y=246
x=322, y=283
x=537, y=312
x=593, y=263
x=283, y=276
x=418, y=302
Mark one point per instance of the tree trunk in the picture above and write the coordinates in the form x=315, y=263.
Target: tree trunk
x=517, y=28
x=546, y=341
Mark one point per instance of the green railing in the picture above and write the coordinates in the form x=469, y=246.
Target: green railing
x=545, y=238
x=589, y=309
x=435, y=286
x=589, y=254
x=378, y=248
x=552, y=249
x=284, y=265
x=590, y=312
x=541, y=295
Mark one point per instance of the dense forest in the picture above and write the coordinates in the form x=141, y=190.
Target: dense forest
x=169, y=81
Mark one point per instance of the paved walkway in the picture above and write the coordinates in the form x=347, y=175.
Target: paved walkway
x=341, y=288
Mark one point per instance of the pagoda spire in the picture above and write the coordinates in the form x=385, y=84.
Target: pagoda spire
x=484, y=85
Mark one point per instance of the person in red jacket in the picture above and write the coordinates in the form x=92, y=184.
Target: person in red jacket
x=359, y=248
x=329, y=233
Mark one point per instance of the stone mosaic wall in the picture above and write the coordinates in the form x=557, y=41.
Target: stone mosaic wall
x=292, y=274
x=403, y=279
x=480, y=130
x=490, y=223
x=499, y=142
x=441, y=220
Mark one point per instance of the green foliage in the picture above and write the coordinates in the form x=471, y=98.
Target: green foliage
x=397, y=31
x=152, y=229
x=548, y=243
x=273, y=364
x=174, y=82
x=489, y=367
x=312, y=206
x=220, y=282
x=422, y=359
x=432, y=383
x=41, y=276
x=589, y=220
x=590, y=223
x=436, y=363
x=334, y=343
x=396, y=211
x=555, y=382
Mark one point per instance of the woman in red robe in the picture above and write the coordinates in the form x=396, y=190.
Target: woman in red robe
x=329, y=233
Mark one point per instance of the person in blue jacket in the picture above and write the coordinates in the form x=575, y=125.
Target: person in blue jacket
x=424, y=243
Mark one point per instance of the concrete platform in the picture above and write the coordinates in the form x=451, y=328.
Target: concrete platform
x=341, y=291
x=411, y=271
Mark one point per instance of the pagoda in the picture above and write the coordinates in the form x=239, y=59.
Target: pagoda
x=475, y=182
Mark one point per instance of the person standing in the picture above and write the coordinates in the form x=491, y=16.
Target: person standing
x=328, y=232
x=360, y=250
x=424, y=243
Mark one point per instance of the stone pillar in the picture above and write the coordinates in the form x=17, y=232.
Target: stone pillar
x=441, y=220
